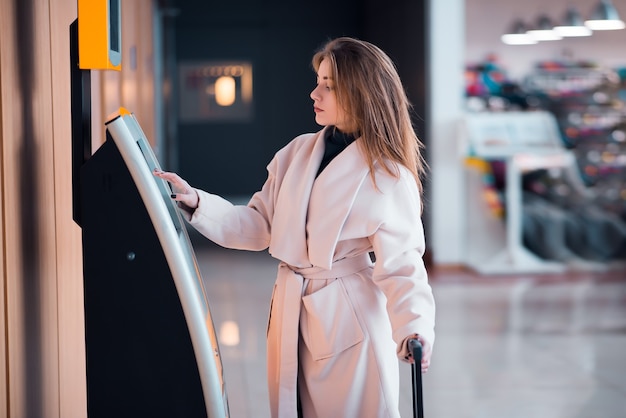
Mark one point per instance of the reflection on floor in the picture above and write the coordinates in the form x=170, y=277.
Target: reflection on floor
x=507, y=347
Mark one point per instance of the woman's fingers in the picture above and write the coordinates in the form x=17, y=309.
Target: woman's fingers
x=426, y=353
x=178, y=184
x=174, y=179
x=182, y=191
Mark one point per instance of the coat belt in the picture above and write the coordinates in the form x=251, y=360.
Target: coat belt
x=283, y=330
x=340, y=268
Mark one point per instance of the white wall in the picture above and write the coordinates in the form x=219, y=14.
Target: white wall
x=447, y=29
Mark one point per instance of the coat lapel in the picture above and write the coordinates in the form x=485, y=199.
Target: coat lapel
x=331, y=200
x=310, y=213
x=288, y=239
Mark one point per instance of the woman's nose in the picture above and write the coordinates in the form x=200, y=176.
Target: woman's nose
x=314, y=94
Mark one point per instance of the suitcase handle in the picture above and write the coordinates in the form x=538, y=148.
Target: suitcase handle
x=415, y=348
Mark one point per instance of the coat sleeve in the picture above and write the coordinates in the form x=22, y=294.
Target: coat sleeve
x=242, y=227
x=399, y=271
x=245, y=227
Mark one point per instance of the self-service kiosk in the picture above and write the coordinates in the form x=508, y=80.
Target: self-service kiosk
x=151, y=347
x=150, y=342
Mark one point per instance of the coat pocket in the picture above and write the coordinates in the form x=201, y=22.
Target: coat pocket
x=330, y=325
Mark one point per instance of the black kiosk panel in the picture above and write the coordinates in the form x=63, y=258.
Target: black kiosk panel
x=151, y=346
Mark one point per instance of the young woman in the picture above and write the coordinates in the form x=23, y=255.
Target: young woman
x=338, y=321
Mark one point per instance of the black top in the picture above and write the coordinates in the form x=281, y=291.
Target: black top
x=335, y=141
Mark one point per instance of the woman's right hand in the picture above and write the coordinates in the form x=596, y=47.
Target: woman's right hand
x=427, y=351
x=183, y=192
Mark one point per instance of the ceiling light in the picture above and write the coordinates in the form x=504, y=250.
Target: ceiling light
x=572, y=24
x=517, y=35
x=605, y=17
x=544, y=30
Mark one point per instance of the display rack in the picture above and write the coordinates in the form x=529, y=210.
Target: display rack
x=589, y=104
x=524, y=141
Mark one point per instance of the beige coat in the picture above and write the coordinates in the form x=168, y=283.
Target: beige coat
x=337, y=321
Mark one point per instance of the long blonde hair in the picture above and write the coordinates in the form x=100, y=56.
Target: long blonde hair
x=369, y=89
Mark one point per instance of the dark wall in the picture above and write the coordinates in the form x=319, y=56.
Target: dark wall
x=279, y=37
x=399, y=27
x=402, y=32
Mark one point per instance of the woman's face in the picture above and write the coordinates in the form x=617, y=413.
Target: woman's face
x=327, y=111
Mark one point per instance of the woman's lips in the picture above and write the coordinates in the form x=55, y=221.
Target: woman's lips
x=317, y=109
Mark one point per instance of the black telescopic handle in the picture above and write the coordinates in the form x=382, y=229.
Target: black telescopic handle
x=416, y=374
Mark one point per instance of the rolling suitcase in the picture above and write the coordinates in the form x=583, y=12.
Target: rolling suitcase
x=416, y=377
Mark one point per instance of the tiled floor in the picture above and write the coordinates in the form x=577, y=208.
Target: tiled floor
x=507, y=347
